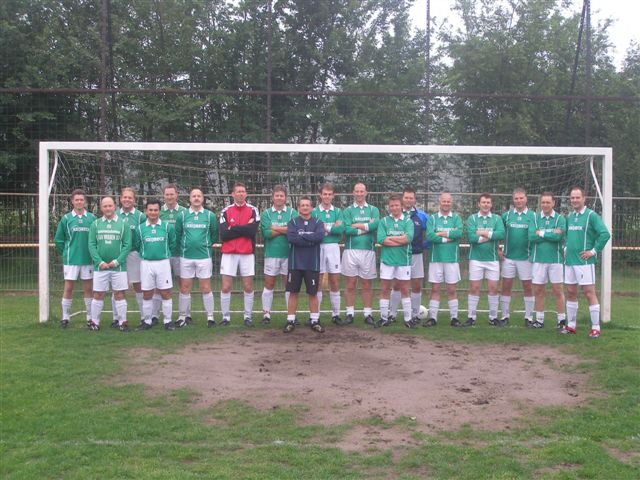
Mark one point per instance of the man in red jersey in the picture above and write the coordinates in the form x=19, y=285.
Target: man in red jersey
x=238, y=228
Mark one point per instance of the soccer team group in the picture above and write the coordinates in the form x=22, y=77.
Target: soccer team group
x=126, y=247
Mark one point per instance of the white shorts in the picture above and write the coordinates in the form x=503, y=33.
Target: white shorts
x=479, y=270
x=521, y=268
x=133, y=267
x=329, y=258
x=103, y=278
x=447, y=272
x=580, y=274
x=548, y=272
x=417, y=266
x=359, y=263
x=73, y=272
x=388, y=272
x=156, y=274
x=276, y=266
x=175, y=266
x=195, y=267
x=231, y=262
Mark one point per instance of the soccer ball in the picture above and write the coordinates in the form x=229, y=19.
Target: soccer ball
x=423, y=312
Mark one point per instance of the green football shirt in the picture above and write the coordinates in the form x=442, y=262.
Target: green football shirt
x=396, y=255
x=72, y=238
x=516, y=233
x=355, y=238
x=110, y=240
x=547, y=246
x=276, y=246
x=196, y=233
x=484, y=251
x=333, y=232
x=585, y=231
x=445, y=249
x=154, y=241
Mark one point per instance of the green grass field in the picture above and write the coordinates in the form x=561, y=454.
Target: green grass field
x=62, y=417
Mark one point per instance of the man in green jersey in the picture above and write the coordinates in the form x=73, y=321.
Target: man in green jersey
x=586, y=237
x=515, y=255
x=196, y=232
x=168, y=213
x=71, y=240
x=273, y=225
x=109, y=245
x=331, y=217
x=359, y=256
x=546, y=234
x=444, y=231
x=484, y=231
x=132, y=217
x=395, y=233
x=155, y=240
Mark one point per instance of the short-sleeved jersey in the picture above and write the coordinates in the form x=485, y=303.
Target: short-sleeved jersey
x=276, y=246
x=333, y=232
x=154, y=241
x=548, y=246
x=516, y=233
x=72, y=238
x=400, y=255
x=110, y=240
x=133, y=218
x=486, y=251
x=196, y=232
x=585, y=231
x=355, y=238
x=443, y=249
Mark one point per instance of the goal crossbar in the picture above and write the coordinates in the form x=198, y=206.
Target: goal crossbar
x=47, y=148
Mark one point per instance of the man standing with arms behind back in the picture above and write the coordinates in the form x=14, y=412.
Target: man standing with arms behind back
x=515, y=255
x=359, y=256
x=71, y=241
x=586, y=237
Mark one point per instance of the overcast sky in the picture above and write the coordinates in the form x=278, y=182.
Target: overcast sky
x=625, y=13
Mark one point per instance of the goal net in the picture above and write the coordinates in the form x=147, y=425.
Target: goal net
x=465, y=171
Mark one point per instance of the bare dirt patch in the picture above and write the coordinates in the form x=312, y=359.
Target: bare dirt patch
x=347, y=375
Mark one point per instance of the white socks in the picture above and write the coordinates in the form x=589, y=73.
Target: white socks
x=167, y=308
x=335, y=303
x=406, y=309
x=248, y=304
x=505, y=303
x=96, y=310
x=184, y=306
x=572, y=314
x=416, y=300
x=594, y=313
x=225, y=305
x=472, y=301
x=267, y=301
x=493, y=305
x=434, y=306
x=207, y=301
x=384, y=308
x=453, y=308
x=394, y=302
x=66, y=308
x=528, y=306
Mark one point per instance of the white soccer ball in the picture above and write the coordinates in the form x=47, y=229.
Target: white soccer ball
x=423, y=313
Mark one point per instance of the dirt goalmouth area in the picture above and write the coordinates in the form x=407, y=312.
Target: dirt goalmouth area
x=350, y=374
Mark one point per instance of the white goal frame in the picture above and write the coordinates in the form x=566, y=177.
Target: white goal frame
x=47, y=148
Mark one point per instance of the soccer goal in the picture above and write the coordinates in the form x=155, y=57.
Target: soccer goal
x=466, y=171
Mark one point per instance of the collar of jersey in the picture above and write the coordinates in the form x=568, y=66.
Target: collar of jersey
x=330, y=209
x=164, y=207
x=159, y=222
x=552, y=215
x=440, y=215
x=396, y=219
x=191, y=210
x=355, y=205
x=105, y=219
x=133, y=210
x=488, y=216
x=74, y=214
x=524, y=212
x=584, y=209
x=284, y=209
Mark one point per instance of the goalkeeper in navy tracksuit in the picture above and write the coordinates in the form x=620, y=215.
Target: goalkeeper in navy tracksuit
x=305, y=235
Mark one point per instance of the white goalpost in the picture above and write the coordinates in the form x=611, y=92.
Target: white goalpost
x=378, y=158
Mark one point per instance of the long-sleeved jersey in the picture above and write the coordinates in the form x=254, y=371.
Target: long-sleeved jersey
x=355, y=238
x=238, y=228
x=72, y=238
x=305, y=238
x=585, y=231
x=276, y=246
x=445, y=249
x=420, y=220
x=195, y=232
x=516, y=233
x=333, y=232
x=110, y=240
x=546, y=247
x=484, y=250
x=397, y=255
